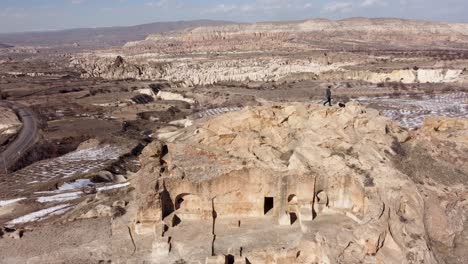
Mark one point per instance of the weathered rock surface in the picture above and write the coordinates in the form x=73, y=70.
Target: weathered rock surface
x=305, y=33
x=9, y=124
x=203, y=71
x=294, y=184
x=280, y=183
x=277, y=51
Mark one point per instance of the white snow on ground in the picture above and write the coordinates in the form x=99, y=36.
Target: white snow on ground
x=112, y=187
x=63, y=197
x=78, y=184
x=41, y=214
x=58, y=212
x=411, y=112
x=60, y=197
x=95, y=153
x=8, y=202
x=48, y=192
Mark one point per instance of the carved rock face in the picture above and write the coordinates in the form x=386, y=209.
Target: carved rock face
x=227, y=188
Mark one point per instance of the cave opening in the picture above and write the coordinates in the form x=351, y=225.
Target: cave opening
x=167, y=206
x=268, y=205
x=229, y=259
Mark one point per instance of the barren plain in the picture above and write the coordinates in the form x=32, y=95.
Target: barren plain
x=211, y=144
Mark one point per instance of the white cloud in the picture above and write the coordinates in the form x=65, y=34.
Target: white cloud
x=338, y=7
x=368, y=3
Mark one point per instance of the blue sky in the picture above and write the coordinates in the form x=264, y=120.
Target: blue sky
x=27, y=15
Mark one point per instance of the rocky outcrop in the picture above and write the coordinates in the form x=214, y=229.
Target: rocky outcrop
x=315, y=49
x=260, y=69
x=288, y=184
x=9, y=124
x=436, y=159
x=280, y=183
x=303, y=34
x=203, y=72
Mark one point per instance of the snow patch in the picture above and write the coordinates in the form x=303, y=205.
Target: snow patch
x=78, y=184
x=112, y=187
x=60, y=197
x=41, y=214
x=411, y=112
x=8, y=202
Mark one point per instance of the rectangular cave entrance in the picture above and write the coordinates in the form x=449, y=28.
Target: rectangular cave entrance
x=268, y=205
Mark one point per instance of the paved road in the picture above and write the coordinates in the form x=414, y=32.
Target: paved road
x=24, y=140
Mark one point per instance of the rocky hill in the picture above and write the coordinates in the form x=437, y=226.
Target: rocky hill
x=9, y=125
x=2, y=46
x=280, y=183
x=305, y=184
x=327, y=50
x=99, y=37
x=398, y=33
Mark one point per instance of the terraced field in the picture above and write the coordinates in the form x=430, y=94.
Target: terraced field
x=73, y=164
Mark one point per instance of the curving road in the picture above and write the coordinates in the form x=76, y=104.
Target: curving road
x=24, y=140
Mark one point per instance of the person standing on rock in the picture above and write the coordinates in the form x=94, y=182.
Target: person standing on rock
x=328, y=96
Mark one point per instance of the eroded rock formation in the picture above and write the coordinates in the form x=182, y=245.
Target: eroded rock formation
x=304, y=50
x=295, y=184
x=9, y=124
x=203, y=71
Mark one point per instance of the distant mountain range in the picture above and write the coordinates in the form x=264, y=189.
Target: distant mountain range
x=4, y=46
x=99, y=37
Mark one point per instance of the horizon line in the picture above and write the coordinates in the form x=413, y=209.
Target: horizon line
x=221, y=21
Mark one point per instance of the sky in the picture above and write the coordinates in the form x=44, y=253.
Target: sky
x=34, y=15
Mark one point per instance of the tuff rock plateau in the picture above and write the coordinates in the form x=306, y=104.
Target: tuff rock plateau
x=278, y=183
x=299, y=183
x=351, y=49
